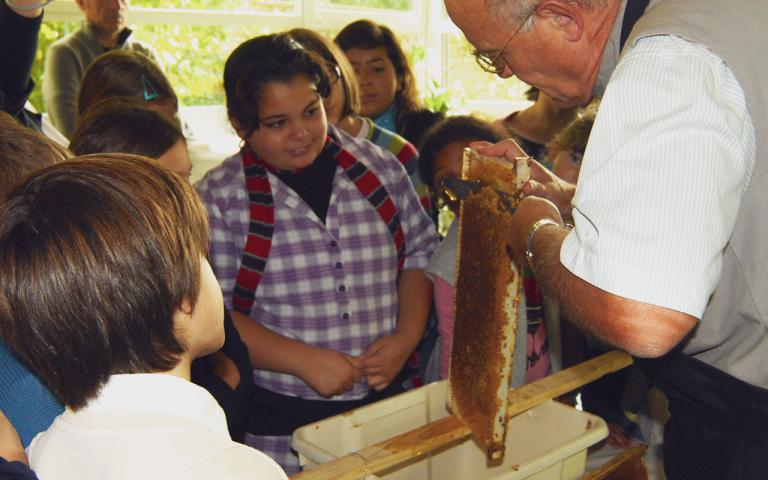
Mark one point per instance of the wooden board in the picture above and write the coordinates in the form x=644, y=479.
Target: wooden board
x=627, y=465
x=449, y=430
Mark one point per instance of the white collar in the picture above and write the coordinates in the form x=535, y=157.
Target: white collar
x=161, y=398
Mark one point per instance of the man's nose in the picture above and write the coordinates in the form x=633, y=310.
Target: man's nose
x=506, y=72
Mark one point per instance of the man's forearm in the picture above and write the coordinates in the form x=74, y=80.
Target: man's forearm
x=641, y=329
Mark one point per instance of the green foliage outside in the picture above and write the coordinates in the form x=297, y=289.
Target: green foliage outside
x=387, y=4
x=263, y=6
x=193, y=56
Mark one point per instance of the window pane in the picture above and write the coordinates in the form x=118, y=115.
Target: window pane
x=385, y=4
x=260, y=6
x=466, y=79
x=192, y=56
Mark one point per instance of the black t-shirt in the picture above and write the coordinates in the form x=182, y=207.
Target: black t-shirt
x=314, y=184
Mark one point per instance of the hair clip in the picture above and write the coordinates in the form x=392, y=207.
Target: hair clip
x=150, y=92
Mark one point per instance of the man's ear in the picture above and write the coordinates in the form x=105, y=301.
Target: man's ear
x=565, y=16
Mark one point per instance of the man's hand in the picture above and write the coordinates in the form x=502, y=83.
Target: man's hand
x=508, y=149
x=384, y=359
x=543, y=183
x=329, y=372
x=546, y=184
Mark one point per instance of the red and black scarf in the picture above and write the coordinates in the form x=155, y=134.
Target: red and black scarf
x=262, y=210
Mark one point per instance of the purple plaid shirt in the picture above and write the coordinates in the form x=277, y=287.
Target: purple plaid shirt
x=332, y=285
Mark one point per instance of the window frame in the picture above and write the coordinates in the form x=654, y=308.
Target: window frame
x=426, y=20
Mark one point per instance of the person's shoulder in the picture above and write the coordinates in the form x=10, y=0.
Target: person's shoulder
x=367, y=152
x=422, y=119
x=417, y=122
x=234, y=462
x=71, y=41
x=667, y=48
x=65, y=43
x=140, y=47
x=389, y=139
x=226, y=177
x=426, y=115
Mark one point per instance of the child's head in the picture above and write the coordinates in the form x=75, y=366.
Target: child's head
x=118, y=126
x=443, y=146
x=104, y=273
x=23, y=150
x=274, y=89
x=343, y=99
x=382, y=69
x=130, y=75
x=568, y=146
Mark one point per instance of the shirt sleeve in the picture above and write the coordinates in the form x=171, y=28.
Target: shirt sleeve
x=418, y=228
x=18, y=43
x=668, y=161
x=15, y=471
x=60, y=88
x=222, y=253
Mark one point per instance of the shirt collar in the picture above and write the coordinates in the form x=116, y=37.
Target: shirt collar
x=387, y=119
x=122, y=37
x=610, y=53
x=161, y=397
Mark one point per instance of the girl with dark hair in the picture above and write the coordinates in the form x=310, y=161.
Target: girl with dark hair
x=342, y=107
x=319, y=244
x=116, y=125
x=387, y=85
x=129, y=75
x=442, y=154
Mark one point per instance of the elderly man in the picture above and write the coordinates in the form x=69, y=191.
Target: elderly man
x=666, y=258
x=103, y=30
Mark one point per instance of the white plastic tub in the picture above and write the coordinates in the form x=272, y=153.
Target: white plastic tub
x=548, y=442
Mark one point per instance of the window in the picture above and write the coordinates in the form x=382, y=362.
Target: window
x=194, y=37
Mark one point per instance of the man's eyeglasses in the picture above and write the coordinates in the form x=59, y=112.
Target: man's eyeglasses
x=495, y=64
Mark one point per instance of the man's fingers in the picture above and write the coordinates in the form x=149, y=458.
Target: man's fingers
x=506, y=148
x=533, y=188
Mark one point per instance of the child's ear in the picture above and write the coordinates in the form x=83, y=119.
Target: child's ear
x=186, y=306
x=240, y=129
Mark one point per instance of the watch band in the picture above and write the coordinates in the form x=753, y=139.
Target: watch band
x=529, y=241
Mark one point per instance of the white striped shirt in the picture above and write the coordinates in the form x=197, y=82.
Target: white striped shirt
x=670, y=156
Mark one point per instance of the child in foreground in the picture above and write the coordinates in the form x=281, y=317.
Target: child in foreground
x=120, y=244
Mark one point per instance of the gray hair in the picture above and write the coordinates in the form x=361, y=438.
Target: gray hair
x=522, y=10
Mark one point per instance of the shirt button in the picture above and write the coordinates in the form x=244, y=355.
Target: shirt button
x=345, y=316
x=333, y=243
x=338, y=265
x=342, y=288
